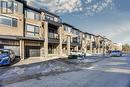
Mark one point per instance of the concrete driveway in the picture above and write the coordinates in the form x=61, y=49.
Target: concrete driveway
x=110, y=72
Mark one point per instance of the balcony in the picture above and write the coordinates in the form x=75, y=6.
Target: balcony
x=64, y=42
x=52, y=20
x=75, y=41
x=53, y=38
x=94, y=45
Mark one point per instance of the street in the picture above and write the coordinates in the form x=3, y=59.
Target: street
x=110, y=72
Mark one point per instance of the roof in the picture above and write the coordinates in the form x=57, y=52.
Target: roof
x=67, y=24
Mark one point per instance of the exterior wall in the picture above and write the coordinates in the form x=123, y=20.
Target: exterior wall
x=13, y=31
x=9, y=32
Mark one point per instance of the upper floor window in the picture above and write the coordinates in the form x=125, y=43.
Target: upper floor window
x=52, y=33
x=68, y=29
x=72, y=31
x=10, y=6
x=7, y=6
x=90, y=36
x=52, y=18
x=75, y=40
x=8, y=21
x=32, y=30
x=32, y=14
x=77, y=33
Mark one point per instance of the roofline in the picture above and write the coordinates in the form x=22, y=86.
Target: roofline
x=43, y=10
x=90, y=34
x=67, y=24
x=76, y=29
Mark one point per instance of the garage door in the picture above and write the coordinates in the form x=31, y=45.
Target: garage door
x=16, y=49
x=32, y=51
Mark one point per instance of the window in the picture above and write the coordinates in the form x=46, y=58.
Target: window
x=32, y=14
x=52, y=33
x=10, y=7
x=65, y=28
x=4, y=6
x=7, y=6
x=49, y=17
x=16, y=7
x=32, y=30
x=72, y=31
x=68, y=29
x=8, y=21
x=52, y=18
x=14, y=22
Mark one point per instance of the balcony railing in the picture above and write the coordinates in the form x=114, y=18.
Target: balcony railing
x=53, y=38
x=53, y=35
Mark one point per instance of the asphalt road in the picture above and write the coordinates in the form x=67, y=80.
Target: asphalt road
x=110, y=72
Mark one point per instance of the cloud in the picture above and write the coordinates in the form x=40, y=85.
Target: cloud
x=88, y=7
x=118, y=32
x=58, y=6
x=97, y=7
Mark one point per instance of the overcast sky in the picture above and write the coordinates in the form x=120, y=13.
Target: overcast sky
x=110, y=18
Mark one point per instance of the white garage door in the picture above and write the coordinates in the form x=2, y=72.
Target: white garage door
x=16, y=49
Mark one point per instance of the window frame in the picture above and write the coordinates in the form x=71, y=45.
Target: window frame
x=36, y=15
x=7, y=9
x=34, y=32
x=9, y=19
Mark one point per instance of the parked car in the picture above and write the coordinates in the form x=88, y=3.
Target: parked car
x=6, y=56
x=116, y=53
x=77, y=53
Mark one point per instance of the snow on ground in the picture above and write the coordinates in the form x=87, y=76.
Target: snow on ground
x=58, y=65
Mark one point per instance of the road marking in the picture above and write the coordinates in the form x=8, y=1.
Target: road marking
x=90, y=68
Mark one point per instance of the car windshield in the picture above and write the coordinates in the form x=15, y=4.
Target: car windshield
x=4, y=52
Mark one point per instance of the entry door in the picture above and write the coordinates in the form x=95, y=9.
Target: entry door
x=31, y=51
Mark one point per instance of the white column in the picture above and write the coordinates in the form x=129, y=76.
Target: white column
x=60, y=36
x=22, y=49
x=68, y=45
x=46, y=39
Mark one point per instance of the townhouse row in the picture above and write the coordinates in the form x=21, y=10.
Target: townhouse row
x=32, y=32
